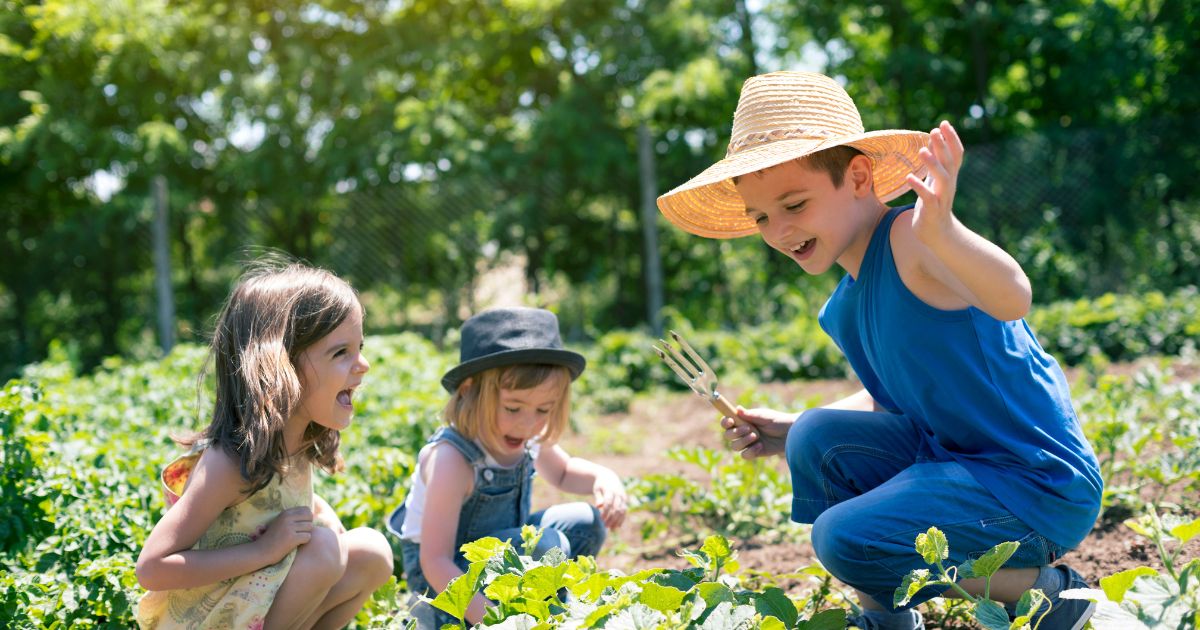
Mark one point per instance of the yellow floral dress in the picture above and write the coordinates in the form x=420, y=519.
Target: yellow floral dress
x=240, y=602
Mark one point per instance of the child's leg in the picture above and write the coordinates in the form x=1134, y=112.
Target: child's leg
x=318, y=565
x=868, y=541
x=368, y=566
x=578, y=525
x=836, y=455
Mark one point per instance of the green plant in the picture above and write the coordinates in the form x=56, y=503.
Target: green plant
x=934, y=549
x=1143, y=598
x=556, y=592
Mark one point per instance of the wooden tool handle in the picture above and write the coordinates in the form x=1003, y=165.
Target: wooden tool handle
x=724, y=406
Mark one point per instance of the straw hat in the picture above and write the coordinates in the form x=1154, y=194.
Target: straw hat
x=783, y=116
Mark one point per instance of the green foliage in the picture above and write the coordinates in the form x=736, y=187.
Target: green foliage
x=1142, y=597
x=528, y=593
x=1145, y=429
x=740, y=498
x=934, y=548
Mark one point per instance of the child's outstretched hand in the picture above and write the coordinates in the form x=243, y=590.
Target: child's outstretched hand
x=762, y=432
x=609, y=495
x=290, y=529
x=933, y=216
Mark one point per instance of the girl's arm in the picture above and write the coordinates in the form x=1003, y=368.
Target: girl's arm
x=448, y=479
x=965, y=263
x=167, y=560
x=581, y=476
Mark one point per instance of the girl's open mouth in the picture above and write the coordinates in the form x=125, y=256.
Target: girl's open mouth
x=345, y=398
x=513, y=442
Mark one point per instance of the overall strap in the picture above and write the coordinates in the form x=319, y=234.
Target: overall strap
x=473, y=454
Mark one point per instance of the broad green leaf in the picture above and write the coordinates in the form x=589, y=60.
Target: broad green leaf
x=991, y=615
x=771, y=623
x=542, y=582
x=916, y=580
x=636, y=617
x=661, y=598
x=932, y=546
x=831, y=619
x=482, y=549
x=990, y=562
x=714, y=593
x=727, y=616
x=773, y=602
x=1115, y=586
x=458, y=593
x=504, y=588
x=1186, y=531
x=717, y=549
x=1030, y=602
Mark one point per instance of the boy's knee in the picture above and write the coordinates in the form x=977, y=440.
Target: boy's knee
x=324, y=556
x=839, y=545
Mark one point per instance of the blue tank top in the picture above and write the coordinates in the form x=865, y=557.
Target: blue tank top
x=983, y=392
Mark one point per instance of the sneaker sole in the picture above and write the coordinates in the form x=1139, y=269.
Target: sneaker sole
x=1085, y=617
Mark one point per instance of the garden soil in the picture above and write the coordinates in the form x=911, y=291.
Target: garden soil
x=635, y=443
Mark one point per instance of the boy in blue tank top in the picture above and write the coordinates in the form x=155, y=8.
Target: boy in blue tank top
x=964, y=422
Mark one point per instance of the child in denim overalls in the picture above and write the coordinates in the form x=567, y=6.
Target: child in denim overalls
x=510, y=395
x=964, y=422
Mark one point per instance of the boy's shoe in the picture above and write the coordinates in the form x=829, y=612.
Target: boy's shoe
x=1068, y=614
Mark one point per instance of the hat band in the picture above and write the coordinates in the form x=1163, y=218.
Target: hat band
x=763, y=137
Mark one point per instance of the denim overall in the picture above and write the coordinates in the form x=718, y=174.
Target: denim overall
x=498, y=506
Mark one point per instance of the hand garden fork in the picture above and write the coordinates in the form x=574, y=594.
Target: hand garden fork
x=696, y=373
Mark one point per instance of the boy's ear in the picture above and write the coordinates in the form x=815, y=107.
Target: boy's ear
x=860, y=174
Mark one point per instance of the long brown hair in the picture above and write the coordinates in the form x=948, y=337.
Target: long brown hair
x=472, y=409
x=277, y=310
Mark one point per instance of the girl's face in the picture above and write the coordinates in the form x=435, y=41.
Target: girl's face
x=330, y=370
x=522, y=416
x=800, y=213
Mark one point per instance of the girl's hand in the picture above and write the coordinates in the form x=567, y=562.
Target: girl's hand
x=763, y=433
x=609, y=494
x=288, y=530
x=933, y=216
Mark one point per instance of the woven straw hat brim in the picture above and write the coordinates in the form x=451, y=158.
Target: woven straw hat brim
x=708, y=204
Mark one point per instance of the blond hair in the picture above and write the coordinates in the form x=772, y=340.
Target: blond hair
x=473, y=407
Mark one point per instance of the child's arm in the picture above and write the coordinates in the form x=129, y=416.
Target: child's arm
x=764, y=432
x=167, y=560
x=448, y=479
x=970, y=266
x=324, y=515
x=580, y=476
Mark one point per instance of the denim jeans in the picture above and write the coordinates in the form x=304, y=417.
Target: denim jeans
x=868, y=487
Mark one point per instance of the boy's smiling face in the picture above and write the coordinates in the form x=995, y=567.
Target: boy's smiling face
x=802, y=214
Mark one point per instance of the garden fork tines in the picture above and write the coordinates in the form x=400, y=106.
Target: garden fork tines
x=695, y=372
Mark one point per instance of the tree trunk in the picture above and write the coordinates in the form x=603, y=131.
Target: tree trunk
x=651, y=266
x=162, y=267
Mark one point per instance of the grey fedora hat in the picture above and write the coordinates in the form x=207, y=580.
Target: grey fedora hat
x=508, y=336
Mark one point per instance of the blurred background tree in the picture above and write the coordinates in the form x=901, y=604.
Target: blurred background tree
x=425, y=149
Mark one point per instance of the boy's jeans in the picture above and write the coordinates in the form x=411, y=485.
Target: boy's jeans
x=858, y=477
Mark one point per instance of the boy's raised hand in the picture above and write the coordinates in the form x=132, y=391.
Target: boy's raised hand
x=933, y=215
x=761, y=433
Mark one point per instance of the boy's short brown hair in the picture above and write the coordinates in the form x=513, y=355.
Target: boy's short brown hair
x=833, y=161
